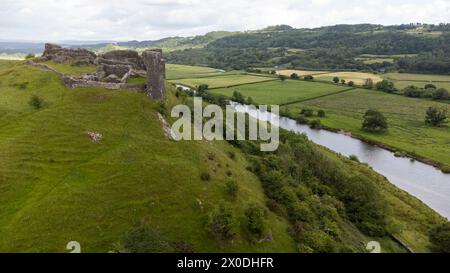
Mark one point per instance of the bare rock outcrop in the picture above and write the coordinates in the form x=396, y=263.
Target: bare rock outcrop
x=58, y=54
x=156, y=73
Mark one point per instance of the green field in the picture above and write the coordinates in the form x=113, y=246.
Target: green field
x=223, y=80
x=278, y=92
x=178, y=71
x=405, y=117
x=402, y=80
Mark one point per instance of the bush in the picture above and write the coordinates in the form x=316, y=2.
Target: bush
x=435, y=117
x=315, y=124
x=302, y=120
x=354, y=158
x=351, y=83
x=336, y=80
x=386, y=86
x=441, y=94
x=144, y=239
x=295, y=76
x=232, y=188
x=205, y=176
x=221, y=223
x=368, y=84
x=30, y=56
x=202, y=88
x=374, y=121
x=307, y=112
x=440, y=238
x=255, y=219
x=321, y=113
x=36, y=102
x=308, y=78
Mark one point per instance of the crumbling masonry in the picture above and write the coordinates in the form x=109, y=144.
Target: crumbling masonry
x=115, y=68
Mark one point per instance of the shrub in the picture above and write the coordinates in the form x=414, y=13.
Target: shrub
x=295, y=76
x=202, y=88
x=232, y=188
x=343, y=81
x=368, y=84
x=315, y=124
x=255, y=219
x=36, y=102
x=435, y=117
x=441, y=94
x=351, y=83
x=302, y=120
x=308, y=78
x=386, y=86
x=221, y=223
x=374, y=121
x=440, y=238
x=205, y=176
x=144, y=239
x=336, y=80
x=354, y=158
x=321, y=113
x=307, y=112
x=232, y=155
x=30, y=56
x=430, y=86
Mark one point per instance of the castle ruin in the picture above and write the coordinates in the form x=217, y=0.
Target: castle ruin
x=115, y=68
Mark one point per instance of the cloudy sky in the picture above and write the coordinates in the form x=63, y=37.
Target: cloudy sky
x=56, y=20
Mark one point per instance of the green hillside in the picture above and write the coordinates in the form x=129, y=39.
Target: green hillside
x=56, y=185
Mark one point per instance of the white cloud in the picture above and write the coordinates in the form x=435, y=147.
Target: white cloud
x=152, y=19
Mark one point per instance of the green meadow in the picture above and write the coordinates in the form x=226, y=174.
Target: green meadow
x=223, y=80
x=178, y=71
x=280, y=92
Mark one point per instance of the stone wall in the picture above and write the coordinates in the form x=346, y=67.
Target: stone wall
x=122, y=57
x=156, y=73
x=59, y=54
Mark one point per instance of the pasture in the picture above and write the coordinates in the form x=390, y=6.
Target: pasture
x=358, y=78
x=402, y=80
x=278, y=92
x=301, y=73
x=406, y=116
x=177, y=71
x=223, y=80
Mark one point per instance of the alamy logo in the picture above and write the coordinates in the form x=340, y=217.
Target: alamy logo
x=262, y=125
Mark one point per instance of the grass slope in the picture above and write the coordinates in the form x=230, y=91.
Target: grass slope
x=57, y=186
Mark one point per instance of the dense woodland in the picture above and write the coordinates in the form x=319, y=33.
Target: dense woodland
x=414, y=48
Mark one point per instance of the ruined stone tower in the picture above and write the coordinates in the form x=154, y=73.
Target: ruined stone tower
x=156, y=73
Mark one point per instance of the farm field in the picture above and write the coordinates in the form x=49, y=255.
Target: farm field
x=278, y=92
x=223, y=80
x=177, y=71
x=358, y=78
x=405, y=117
x=402, y=80
x=289, y=72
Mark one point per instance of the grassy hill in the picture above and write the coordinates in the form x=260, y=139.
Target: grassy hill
x=56, y=185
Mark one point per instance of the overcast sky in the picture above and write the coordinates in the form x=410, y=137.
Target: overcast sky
x=56, y=20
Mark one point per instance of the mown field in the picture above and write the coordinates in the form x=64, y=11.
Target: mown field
x=359, y=78
x=223, y=80
x=278, y=92
x=402, y=80
x=178, y=71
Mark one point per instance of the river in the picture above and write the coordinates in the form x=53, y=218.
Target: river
x=423, y=181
